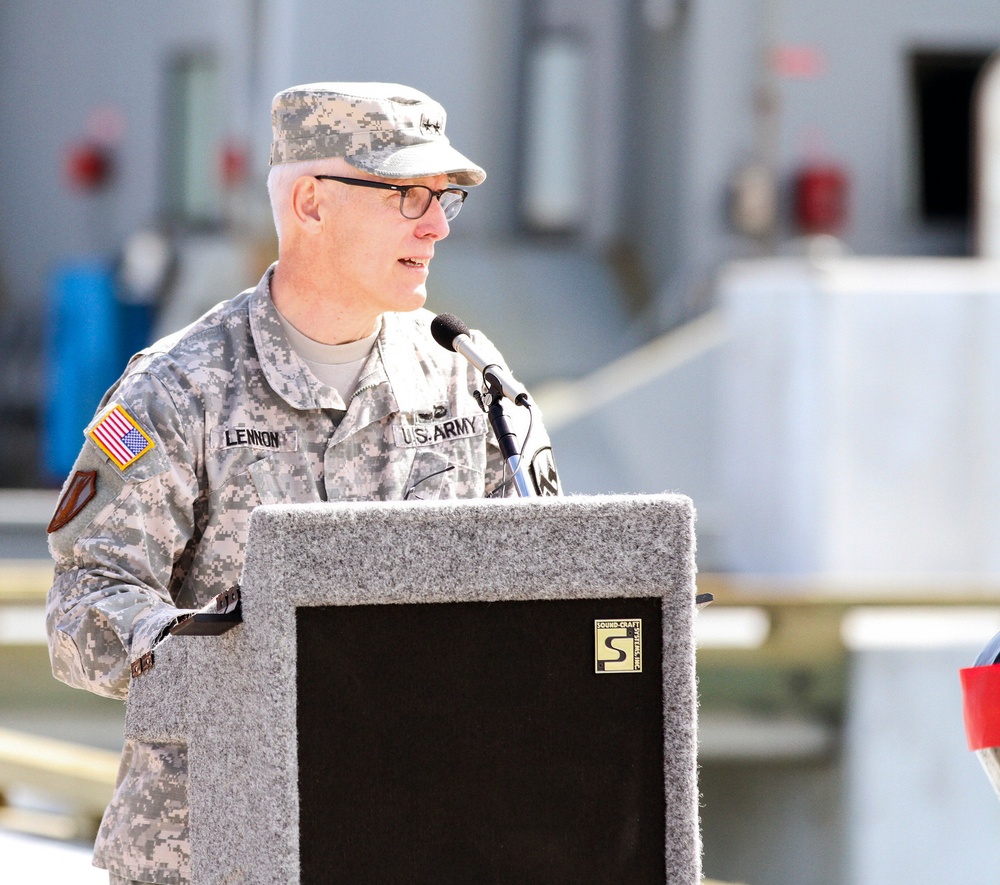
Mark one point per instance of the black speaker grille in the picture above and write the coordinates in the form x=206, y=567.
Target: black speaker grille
x=475, y=743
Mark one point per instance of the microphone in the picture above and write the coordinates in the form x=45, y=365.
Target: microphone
x=452, y=334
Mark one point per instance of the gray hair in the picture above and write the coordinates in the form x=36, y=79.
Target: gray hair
x=281, y=178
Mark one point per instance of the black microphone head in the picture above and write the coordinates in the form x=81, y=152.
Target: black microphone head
x=445, y=328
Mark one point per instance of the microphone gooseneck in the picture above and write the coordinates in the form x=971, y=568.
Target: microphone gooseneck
x=452, y=334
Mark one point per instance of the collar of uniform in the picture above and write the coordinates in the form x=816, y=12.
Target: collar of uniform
x=389, y=382
x=391, y=364
x=403, y=344
x=284, y=370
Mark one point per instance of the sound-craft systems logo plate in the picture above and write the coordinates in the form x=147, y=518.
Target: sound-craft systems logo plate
x=618, y=646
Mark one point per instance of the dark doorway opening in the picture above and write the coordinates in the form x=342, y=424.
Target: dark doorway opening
x=944, y=87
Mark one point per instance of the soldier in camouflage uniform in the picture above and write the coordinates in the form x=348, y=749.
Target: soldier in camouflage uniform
x=229, y=413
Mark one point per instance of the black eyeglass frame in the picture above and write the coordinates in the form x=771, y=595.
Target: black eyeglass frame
x=403, y=190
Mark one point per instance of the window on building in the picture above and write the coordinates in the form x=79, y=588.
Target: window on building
x=944, y=84
x=554, y=196
x=192, y=138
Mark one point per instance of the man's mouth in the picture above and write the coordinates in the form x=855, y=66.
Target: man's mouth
x=413, y=262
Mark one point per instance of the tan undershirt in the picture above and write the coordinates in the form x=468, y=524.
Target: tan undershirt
x=335, y=365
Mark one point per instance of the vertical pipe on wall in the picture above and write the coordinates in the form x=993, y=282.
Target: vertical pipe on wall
x=987, y=159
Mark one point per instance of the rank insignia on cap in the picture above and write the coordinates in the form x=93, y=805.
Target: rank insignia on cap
x=120, y=437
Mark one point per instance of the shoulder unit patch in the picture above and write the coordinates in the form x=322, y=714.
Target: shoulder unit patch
x=120, y=437
x=79, y=493
x=543, y=473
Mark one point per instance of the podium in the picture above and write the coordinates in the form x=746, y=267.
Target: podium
x=488, y=691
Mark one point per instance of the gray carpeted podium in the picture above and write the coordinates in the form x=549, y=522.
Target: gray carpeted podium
x=468, y=691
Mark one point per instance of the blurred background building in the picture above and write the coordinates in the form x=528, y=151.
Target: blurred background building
x=742, y=249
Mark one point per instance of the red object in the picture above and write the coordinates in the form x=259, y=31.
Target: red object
x=981, y=705
x=235, y=164
x=88, y=166
x=821, y=199
x=798, y=62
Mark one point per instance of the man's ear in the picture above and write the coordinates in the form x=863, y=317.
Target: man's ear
x=305, y=202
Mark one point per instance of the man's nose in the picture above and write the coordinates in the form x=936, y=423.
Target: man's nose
x=433, y=223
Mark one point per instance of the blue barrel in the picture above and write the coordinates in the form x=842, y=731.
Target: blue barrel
x=89, y=337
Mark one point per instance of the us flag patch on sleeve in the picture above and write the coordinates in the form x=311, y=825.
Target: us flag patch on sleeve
x=120, y=437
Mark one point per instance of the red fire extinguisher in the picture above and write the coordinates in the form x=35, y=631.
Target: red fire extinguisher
x=821, y=199
x=88, y=165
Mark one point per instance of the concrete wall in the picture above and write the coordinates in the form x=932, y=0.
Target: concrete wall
x=61, y=61
x=864, y=107
x=902, y=801
x=699, y=82
x=858, y=406
x=919, y=808
x=63, y=66
x=671, y=112
x=464, y=54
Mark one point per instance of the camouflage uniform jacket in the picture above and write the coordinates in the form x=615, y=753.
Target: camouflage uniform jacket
x=225, y=417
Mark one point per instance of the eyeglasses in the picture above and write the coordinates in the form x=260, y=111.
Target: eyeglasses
x=414, y=199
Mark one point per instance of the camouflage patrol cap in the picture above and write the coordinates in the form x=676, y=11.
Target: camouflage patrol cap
x=383, y=128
